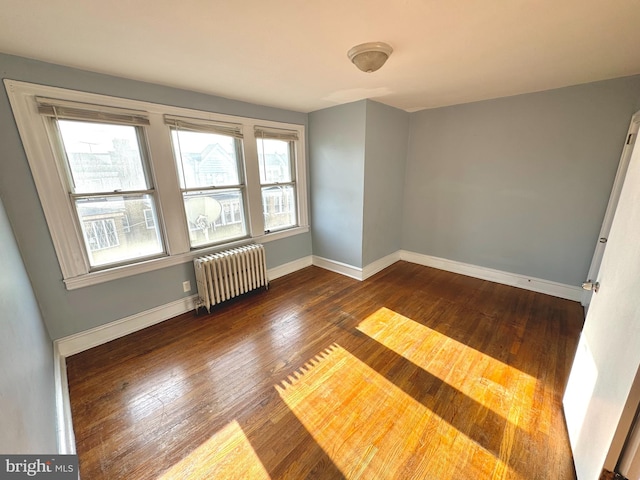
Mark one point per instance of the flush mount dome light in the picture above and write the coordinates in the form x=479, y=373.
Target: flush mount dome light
x=369, y=57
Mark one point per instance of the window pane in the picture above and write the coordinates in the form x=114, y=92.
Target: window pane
x=279, y=207
x=205, y=159
x=116, y=229
x=102, y=157
x=275, y=164
x=214, y=217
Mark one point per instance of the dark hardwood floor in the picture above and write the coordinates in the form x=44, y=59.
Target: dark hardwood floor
x=414, y=373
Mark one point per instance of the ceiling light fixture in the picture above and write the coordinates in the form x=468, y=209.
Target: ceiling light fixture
x=369, y=57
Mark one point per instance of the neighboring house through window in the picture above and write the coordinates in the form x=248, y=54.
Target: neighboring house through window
x=101, y=234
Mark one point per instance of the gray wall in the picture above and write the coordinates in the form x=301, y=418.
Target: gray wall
x=518, y=184
x=67, y=312
x=336, y=151
x=27, y=400
x=358, y=153
x=387, y=131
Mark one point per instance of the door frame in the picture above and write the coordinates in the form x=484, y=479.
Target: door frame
x=624, y=427
x=621, y=173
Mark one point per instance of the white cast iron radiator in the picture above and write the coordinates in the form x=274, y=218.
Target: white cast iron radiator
x=230, y=273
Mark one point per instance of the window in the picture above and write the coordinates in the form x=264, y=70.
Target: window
x=141, y=186
x=107, y=178
x=277, y=177
x=208, y=159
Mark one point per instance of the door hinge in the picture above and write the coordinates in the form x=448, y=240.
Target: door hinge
x=608, y=475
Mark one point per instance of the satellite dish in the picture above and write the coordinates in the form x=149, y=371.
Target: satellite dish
x=202, y=211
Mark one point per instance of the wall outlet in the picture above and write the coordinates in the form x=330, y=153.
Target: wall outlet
x=186, y=286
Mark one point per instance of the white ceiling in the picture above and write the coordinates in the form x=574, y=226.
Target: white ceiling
x=293, y=53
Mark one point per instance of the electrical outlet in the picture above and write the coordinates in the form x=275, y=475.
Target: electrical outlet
x=186, y=286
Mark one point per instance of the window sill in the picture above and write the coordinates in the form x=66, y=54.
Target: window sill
x=277, y=235
x=101, y=276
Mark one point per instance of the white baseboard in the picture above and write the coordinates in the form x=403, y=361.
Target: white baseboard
x=287, y=268
x=357, y=272
x=539, y=285
x=338, y=267
x=380, y=264
x=64, y=424
x=82, y=341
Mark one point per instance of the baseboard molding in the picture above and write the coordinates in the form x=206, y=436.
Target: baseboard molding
x=64, y=424
x=287, y=268
x=356, y=273
x=380, y=264
x=539, y=285
x=338, y=267
x=82, y=341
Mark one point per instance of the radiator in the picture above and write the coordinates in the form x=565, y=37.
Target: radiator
x=230, y=273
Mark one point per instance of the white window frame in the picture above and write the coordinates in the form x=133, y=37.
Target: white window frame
x=50, y=179
x=229, y=130
x=284, y=136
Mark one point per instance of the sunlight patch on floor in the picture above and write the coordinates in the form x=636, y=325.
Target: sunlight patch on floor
x=227, y=454
x=370, y=428
x=481, y=377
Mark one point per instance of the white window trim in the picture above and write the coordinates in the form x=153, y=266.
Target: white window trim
x=50, y=179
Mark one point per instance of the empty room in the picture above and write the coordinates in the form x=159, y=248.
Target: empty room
x=338, y=240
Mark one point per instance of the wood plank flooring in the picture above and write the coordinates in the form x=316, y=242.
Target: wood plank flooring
x=414, y=373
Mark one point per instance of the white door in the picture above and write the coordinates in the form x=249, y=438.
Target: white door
x=598, y=253
x=608, y=353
